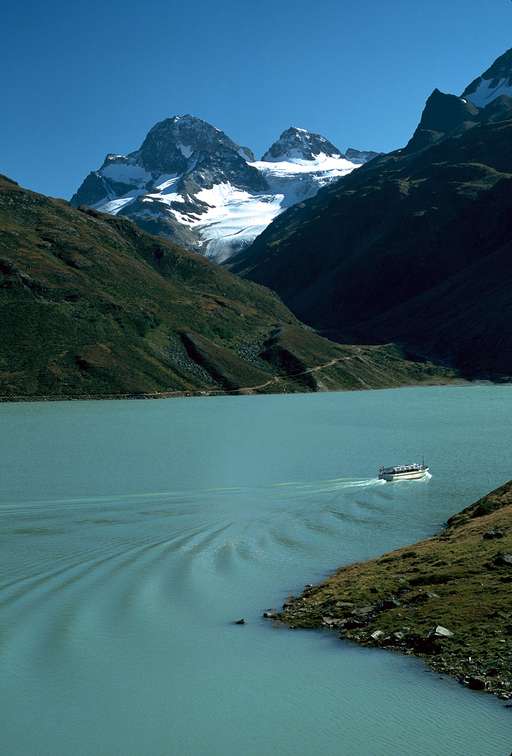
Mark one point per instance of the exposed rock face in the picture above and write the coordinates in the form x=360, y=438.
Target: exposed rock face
x=443, y=115
x=361, y=156
x=300, y=144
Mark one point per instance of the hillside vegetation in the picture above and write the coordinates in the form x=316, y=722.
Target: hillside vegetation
x=91, y=306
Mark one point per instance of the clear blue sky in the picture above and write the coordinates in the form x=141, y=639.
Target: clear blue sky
x=80, y=79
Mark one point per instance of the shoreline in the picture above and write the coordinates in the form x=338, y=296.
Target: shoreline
x=243, y=391
x=446, y=599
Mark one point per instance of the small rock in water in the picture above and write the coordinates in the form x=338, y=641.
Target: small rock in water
x=241, y=621
x=270, y=614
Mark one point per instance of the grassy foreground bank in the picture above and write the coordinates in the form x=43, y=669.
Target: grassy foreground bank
x=447, y=599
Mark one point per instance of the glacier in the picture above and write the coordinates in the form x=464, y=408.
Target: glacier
x=191, y=182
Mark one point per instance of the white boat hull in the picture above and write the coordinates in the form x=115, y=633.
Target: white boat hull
x=410, y=475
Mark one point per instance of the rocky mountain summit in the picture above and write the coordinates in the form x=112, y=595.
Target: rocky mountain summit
x=299, y=144
x=446, y=115
x=190, y=182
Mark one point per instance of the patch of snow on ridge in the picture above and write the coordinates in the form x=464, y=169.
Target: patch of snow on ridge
x=298, y=180
x=112, y=207
x=321, y=162
x=486, y=93
x=185, y=150
x=166, y=181
x=167, y=199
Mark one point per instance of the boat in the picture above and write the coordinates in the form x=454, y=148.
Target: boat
x=404, y=472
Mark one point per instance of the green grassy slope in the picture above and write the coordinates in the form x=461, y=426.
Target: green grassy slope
x=90, y=305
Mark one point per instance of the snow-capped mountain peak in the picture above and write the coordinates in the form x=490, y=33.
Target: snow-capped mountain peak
x=299, y=144
x=191, y=182
x=493, y=83
x=171, y=142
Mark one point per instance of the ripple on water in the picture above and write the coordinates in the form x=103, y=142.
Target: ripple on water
x=115, y=632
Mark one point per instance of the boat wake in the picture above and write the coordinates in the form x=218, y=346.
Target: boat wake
x=116, y=500
x=331, y=484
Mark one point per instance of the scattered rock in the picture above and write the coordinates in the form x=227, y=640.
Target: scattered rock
x=331, y=622
x=493, y=533
x=429, y=645
x=503, y=560
x=389, y=603
x=362, y=611
x=351, y=623
x=477, y=654
x=475, y=683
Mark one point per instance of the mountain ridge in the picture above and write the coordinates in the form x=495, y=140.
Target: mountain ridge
x=400, y=238
x=190, y=182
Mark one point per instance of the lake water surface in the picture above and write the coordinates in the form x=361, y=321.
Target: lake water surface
x=133, y=533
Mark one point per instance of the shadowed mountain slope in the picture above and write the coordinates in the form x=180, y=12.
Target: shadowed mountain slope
x=414, y=247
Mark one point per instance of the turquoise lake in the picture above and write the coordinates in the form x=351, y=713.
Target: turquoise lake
x=132, y=534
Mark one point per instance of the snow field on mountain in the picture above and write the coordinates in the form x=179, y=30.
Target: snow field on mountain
x=486, y=93
x=228, y=218
x=234, y=218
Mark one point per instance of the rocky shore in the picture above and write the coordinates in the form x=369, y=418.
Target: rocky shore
x=447, y=599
